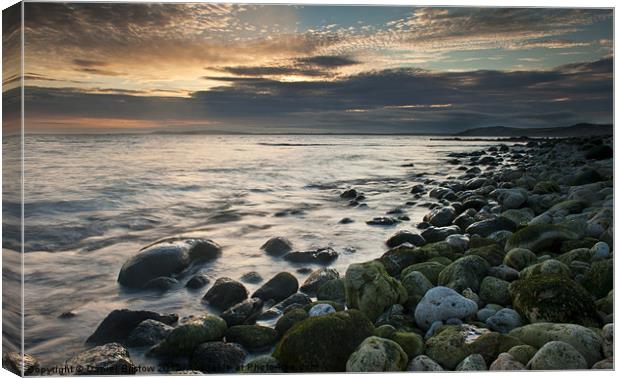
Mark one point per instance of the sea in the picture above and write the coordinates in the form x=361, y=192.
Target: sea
x=92, y=201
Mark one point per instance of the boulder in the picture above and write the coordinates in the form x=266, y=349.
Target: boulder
x=376, y=354
x=278, y=288
x=442, y=303
x=412, y=343
x=405, y=236
x=332, y=291
x=147, y=333
x=522, y=353
x=317, y=279
x=185, y=338
x=504, y=320
x=441, y=216
x=423, y=363
x=436, y=234
x=321, y=309
x=309, y=345
x=557, y=355
x=416, y=285
x=197, y=281
x=225, y=293
x=165, y=258
x=252, y=337
x=520, y=217
x=488, y=226
x=277, y=246
x=552, y=298
x=600, y=152
x=251, y=278
x=289, y=319
x=108, y=359
x=599, y=279
x=607, y=337
x=117, y=326
x=586, y=176
x=466, y=272
x=492, y=253
x=540, y=237
x=430, y=270
x=370, y=289
x=218, y=357
x=324, y=255
x=495, y=290
x=473, y=362
x=519, y=258
x=245, y=312
x=586, y=341
x=510, y=198
x=505, y=361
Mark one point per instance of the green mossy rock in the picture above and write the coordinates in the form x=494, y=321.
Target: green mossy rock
x=412, y=343
x=289, y=319
x=332, y=290
x=521, y=217
x=546, y=187
x=385, y=331
x=252, y=337
x=477, y=241
x=540, y=237
x=377, y=355
x=493, y=290
x=447, y=346
x=519, y=258
x=578, y=254
x=606, y=304
x=492, y=253
x=416, y=285
x=442, y=260
x=186, y=337
x=522, y=353
x=569, y=245
x=553, y=298
x=586, y=176
x=584, y=340
x=599, y=279
x=323, y=343
x=429, y=269
x=466, y=272
x=557, y=355
x=397, y=259
x=550, y=266
x=370, y=289
x=491, y=344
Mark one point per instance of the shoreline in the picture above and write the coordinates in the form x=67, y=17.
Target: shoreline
x=383, y=311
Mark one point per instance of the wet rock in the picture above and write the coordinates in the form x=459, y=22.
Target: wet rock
x=546, y=267
x=488, y=226
x=252, y=337
x=600, y=251
x=245, y=312
x=324, y=255
x=332, y=291
x=22, y=366
x=552, y=298
x=416, y=189
x=505, y=361
x=539, y=237
x=225, y=293
x=117, y=326
x=147, y=333
x=197, y=281
x=466, y=272
x=519, y=258
x=218, y=357
x=317, y=279
x=370, y=289
x=161, y=284
x=278, y=288
x=309, y=345
x=108, y=359
x=377, y=355
x=346, y=221
x=251, y=277
x=185, y=338
x=504, y=272
x=494, y=290
x=417, y=285
x=164, y=259
x=510, y=198
x=557, y=355
x=442, y=303
x=321, y=309
x=504, y=320
x=404, y=236
x=436, y=234
x=277, y=246
x=492, y=253
x=423, y=363
x=586, y=341
x=473, y=362
x=441, y=217
x=429, y=269
x=383, y=221
x=349, y=194
x=412, y=343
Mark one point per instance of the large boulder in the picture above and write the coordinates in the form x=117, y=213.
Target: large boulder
x=165, y=258
x=370, y=289
x=225, y=293
x=586, y=341
x=377, y=355
x=442, y=303
x=557, y=355
x=117, y=326
x=553, y=298
x=309, y=345
x=494, y=290
x=277, y=246
x=539, y=237
x=278, y=288
x=466, y=272
x=108, y=359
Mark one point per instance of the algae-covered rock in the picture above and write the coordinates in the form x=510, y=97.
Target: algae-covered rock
x=252, y=337
x=540, y=237
x=557, y=355
x=546, y=187
x=519, y=258
x=310, y=344
x=491, y=344
x=584, y=340
x=606, y=304
x=521, y=217
x=370, y=289
x=376, y=355
x=549, y=266
x=494, y=290
x=599, y=279
x=522, y=353
x=430, y=270
x=492, y=253
x=218, y=357
x=416, y=285
x=186, y=337
x=552, y=298
x=450, y=344
x=289, y=319
x=332, y=291
x=473, y=362
x=278, y=288
x=466, y=272
x=412, y=343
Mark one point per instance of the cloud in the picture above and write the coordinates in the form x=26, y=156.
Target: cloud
x=396, y=100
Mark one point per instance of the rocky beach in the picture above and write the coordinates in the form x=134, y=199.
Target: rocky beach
x=510, y=269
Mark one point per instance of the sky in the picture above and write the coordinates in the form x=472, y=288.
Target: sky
x=337, y=69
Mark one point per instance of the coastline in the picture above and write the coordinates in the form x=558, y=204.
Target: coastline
x=569, y=216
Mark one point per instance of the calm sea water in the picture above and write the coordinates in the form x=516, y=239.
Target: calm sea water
x=93, y=201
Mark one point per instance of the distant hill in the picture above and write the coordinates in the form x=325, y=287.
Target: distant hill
x=578, y=130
